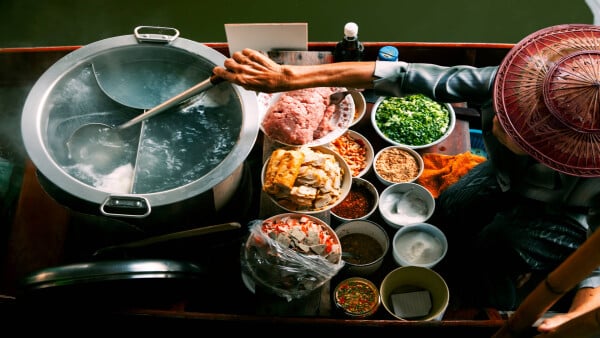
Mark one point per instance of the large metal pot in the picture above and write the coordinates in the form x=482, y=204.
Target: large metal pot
x=189, y=158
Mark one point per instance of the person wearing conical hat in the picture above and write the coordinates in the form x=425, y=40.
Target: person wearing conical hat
x=516, y=217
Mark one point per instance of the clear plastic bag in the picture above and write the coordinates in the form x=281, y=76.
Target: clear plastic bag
x=295, y=268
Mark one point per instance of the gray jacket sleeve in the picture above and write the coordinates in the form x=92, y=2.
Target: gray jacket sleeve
x=446, y=84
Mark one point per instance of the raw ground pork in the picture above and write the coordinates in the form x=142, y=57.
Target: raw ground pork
x=300, y=116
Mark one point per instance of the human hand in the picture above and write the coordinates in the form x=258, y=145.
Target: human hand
x=253, y=71
x=504, y=138
x=549, y=328
x=550, y=324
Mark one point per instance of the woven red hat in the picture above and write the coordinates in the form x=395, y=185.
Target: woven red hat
x=547, y=97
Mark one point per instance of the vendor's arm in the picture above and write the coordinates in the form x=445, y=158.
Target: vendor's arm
x=255, y=71
x=583, y=316
x=580, y=321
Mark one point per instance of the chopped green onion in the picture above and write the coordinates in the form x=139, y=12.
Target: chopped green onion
x=413, y=120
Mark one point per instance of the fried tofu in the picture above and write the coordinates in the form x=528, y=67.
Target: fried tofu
x=282, y=170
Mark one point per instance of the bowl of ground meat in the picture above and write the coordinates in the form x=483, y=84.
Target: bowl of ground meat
x=304, y=117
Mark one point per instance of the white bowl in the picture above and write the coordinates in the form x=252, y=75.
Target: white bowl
x=404, y=204
x=421, y=244
x=362, y=186
x=364, y=150
x=283, y=201
x=360, y=107
x=449, y=129
x=396, y=168
x=364, y=261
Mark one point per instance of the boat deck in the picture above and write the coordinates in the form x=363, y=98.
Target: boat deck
x=38, y=232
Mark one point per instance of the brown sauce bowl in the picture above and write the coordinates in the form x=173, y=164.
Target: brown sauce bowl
x=364, y=246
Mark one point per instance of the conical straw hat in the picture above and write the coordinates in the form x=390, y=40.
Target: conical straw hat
x=547, y=97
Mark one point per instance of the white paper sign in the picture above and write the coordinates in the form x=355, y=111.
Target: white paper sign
x=267, y=36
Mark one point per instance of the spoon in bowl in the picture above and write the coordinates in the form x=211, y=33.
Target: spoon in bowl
x=99, y=143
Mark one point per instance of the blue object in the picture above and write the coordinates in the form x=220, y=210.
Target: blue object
x=477, y=145
x=388, y=53
x=6, y=171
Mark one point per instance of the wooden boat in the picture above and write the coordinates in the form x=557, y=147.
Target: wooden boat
x=37, y=231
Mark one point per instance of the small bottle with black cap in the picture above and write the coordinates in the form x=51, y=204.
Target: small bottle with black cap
x=350, y=48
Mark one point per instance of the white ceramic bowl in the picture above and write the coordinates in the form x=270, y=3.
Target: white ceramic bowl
x=391, y=169
x=366, y=242
x=420, y=244
x=360, y=107
x=405, y=204
x=449, y=129
x=344, y=212
x=408, y=290
x=352, y=145
x=283, y=201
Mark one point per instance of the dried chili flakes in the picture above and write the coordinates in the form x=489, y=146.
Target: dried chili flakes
x=356, y=204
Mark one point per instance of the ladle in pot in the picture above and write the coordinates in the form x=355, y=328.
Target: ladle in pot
x=99, y=144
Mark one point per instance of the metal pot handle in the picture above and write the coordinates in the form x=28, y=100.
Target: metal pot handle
x=125, y=206
x=155, y=34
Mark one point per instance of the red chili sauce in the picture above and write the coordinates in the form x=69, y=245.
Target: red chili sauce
x=357, y=297
x=356, y=204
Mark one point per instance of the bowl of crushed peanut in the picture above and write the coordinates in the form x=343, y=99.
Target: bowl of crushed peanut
x=397, y=164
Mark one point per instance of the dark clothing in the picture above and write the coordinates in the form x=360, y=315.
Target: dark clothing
x=509, y=215
x=500, y=236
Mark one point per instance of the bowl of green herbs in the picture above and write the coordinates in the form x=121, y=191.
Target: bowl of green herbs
x=415, y=120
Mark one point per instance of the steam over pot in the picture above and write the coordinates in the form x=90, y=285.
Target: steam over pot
x=189, y=159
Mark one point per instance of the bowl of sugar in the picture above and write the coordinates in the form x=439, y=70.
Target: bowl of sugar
x=420, y=244
x=404, y=204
